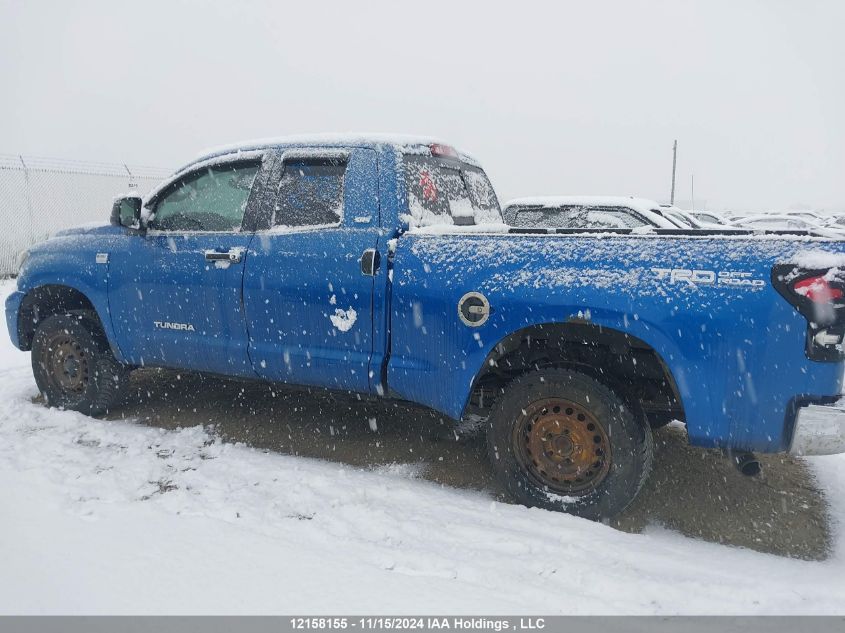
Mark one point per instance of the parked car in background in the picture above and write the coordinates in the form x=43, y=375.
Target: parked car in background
x=586, y=212
x=783, y=222
x=705, y=217
x=735, y=216
x=682, y=218
x=837, y=223
x=812, y=216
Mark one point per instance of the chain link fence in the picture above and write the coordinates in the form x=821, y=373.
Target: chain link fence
x=39, y=196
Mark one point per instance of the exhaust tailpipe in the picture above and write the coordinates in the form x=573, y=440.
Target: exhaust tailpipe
x=747, y=464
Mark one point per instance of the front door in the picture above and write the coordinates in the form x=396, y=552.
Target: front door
x=175, y=292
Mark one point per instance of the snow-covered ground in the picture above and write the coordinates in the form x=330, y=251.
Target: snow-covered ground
x=113, y=517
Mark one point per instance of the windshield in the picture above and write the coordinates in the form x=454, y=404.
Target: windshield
x=448, y=192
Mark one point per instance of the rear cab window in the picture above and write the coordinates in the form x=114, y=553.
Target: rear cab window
x=443, y=190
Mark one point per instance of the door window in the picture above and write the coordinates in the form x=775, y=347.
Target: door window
x=310, y=192
x=212, y=199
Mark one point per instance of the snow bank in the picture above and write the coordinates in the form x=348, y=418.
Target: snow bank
x=116, y=517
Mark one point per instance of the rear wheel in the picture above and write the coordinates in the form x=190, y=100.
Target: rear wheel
x=73, y=365
x=560, y=440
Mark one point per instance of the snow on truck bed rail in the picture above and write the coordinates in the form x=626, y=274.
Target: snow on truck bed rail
x=643, y=232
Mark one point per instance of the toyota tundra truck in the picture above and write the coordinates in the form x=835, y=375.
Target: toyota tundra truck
x=381, y=266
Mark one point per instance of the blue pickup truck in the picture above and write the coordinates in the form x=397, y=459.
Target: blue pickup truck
x=381, y=266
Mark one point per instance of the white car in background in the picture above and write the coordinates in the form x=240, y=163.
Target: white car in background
x=586, y=212
x=731, y=217
x=690, y=219
x=784, y=222
x=678, y=216
x=812, y=216
x=706, y=217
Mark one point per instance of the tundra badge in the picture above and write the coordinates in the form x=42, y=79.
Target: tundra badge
x=166, y=325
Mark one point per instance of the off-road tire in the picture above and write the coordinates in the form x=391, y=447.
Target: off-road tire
x=73, y=365
x=532, y=413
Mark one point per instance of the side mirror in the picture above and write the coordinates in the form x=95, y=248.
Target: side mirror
x=126, y=211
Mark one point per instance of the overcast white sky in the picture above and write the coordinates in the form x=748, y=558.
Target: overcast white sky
x=553, y=98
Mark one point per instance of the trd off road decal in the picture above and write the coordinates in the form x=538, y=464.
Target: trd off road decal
x=732, y=278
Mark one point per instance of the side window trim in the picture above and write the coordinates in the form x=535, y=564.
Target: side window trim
x=260, y=157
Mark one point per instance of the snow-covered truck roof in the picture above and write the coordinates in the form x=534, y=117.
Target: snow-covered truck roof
x=403, y=142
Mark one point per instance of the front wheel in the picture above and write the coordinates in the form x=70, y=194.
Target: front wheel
x=73, y=365
x=560, y=440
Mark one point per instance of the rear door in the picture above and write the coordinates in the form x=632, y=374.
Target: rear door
x=309, y=303
x=175, y=292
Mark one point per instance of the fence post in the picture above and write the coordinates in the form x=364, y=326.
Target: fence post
x=28, y=190
x=132, y=185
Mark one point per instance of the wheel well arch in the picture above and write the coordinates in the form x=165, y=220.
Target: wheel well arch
x=625, y=363
x=45, y=301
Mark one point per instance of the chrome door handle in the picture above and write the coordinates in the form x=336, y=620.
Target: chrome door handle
x=233, y=256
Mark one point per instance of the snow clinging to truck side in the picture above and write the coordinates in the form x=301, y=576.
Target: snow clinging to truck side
x=343, y=320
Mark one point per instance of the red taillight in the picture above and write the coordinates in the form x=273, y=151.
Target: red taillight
x=817, y=289
x=439, y=149
x=819, y=296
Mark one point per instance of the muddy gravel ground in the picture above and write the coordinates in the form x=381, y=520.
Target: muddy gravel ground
x=694, y=491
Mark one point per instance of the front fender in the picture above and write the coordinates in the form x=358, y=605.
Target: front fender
x=70, y=262
x=13, y=306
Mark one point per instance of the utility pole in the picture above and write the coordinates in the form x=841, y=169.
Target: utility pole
x=692, y=190
x=28, y=200
x=674, y=164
